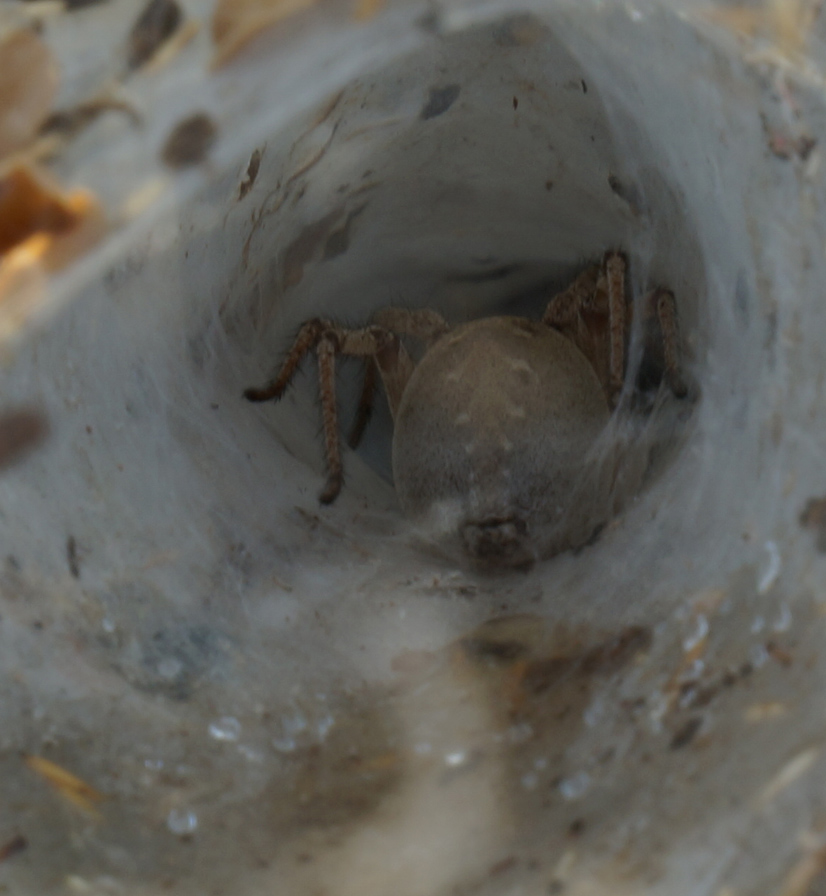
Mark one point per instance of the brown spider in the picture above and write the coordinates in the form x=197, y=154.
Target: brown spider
x=495, y=428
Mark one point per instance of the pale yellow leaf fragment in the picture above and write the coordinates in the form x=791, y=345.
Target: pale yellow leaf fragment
x=69, y=786
x=745, y=21
x=785, y=23
x=790, y=23
x=236, y=22
x=708, y=602
x=565, y=866
x=144, y=197
x=764, y=712
x=23, y=291
x=795, y=768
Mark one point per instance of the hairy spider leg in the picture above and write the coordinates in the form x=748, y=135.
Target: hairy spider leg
x=565, y=307
x=375, y=343
x=598, y=290
x=306, y=339
x=615, y=269
x=603, y=292
x=421, y=323
x=326, y=352
x=364, y=411
x=663, y=302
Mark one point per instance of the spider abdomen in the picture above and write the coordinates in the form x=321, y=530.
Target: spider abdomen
x=493, y=436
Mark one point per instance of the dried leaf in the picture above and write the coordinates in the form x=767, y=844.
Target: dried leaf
x=42, y=229
x=36, y=216
x=28, y=84
x=236, y=22
x=69, y=786
x=26, y=209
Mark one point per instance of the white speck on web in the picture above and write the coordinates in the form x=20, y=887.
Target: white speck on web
x=225, y=728
x=772, y=570
x=576, y=786
x=182, y=821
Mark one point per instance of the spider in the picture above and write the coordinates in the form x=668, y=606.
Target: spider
x=495, y=429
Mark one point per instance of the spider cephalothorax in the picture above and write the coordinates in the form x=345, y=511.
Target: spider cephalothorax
x=495, y=428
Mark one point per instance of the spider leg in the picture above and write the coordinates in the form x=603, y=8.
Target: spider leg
x=615, y=268
x=382, y=351
x=565, y=307
x=591, y=312
x=421, y=323
x=392, y=360
x=365, y=408
x=307, y=337
x=663, y=302
x=326, y=352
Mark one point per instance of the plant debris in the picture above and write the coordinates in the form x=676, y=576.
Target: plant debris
x=69, y=123
x=37, y=215
x=13, y=847
x=190, y=141
x=366, y=9
x=794, y=769
x=42, y=229
x=686, y=733
x=155, y=25
x=21, y=431
x=788, y=24
x=69, y=786
x=72, y=558
x=237, y=22
x=814, y=517
x=439, y=100
x=252, y=174
x=28, y=85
